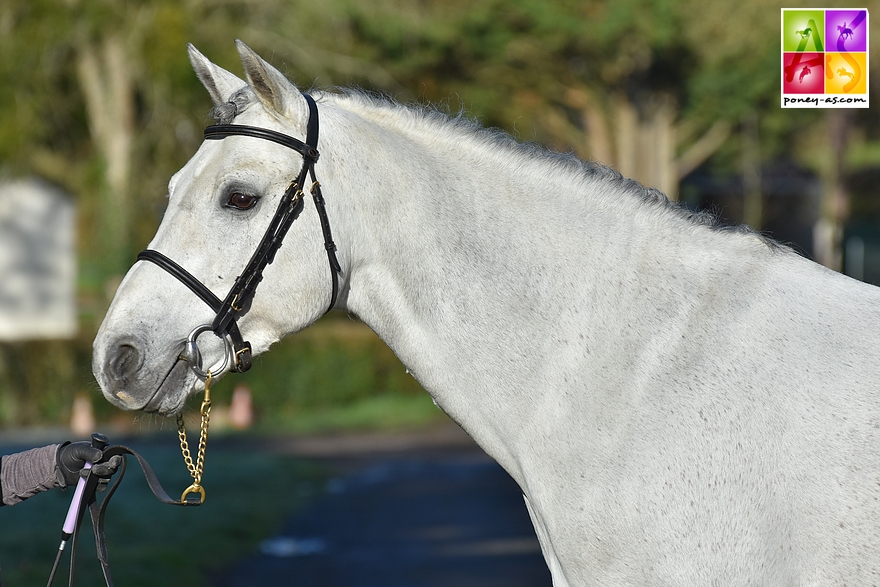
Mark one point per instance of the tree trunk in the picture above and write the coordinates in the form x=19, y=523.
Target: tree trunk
x=107, y=87
x=753, y=203
x=643, y=144
x=646, y=144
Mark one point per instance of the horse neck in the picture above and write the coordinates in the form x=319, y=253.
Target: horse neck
x=482, y=268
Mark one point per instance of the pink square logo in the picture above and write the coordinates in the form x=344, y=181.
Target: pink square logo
x=803, y=73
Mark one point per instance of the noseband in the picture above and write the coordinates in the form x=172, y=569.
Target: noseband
x=238, y=355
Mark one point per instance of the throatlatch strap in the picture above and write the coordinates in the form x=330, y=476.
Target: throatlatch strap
x=329, y=245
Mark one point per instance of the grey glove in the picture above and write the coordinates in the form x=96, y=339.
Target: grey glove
x=72, y=457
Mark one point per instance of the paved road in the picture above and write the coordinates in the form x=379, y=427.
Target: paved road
x=427, y=514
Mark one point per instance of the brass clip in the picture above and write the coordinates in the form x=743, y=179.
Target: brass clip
x=194, y=488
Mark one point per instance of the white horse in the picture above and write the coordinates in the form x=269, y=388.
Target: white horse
x=681, y=403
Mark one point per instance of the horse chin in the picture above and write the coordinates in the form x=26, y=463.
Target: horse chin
x=166, y=399
x=170, y=397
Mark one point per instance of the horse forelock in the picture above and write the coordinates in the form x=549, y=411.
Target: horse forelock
x=238, y=102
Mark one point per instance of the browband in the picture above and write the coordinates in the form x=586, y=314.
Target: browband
x=221, y=131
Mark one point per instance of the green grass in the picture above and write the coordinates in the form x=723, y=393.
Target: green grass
x=249, y=495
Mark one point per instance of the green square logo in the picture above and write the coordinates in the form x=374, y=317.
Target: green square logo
x=803, y=30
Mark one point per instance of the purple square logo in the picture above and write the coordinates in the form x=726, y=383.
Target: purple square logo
x=846, y=30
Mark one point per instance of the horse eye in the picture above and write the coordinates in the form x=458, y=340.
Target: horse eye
x=241, y=201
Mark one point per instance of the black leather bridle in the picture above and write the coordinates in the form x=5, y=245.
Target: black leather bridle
x=238, y=300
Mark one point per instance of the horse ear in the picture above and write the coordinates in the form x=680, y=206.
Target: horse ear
x=271, y=87
x=220, y=83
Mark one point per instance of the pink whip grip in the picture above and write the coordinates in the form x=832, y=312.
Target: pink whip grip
x=70, y=520
x=98, y=441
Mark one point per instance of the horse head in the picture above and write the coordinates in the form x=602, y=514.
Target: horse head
x=219, y=207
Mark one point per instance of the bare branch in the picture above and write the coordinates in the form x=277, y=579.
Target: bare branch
x=703, y=148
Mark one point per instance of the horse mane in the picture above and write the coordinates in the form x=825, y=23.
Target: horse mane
x=420, y=113
x=415, y=114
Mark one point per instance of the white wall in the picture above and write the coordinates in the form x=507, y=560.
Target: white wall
x=37, y=262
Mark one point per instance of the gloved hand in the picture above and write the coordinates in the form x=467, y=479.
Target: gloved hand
x=72, y=457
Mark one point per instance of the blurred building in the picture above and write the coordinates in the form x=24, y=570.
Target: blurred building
x=37, y=262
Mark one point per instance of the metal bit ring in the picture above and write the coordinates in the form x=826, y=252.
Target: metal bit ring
x=192, y=355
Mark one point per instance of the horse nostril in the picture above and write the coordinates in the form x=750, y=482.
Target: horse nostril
x=125, y=363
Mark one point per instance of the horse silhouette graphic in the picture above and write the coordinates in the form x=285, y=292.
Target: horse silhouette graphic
x=804, y=72
x=805, y=33
x=845, y=73
x=845, y=32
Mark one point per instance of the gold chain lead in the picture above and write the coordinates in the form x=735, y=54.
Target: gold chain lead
x=198, y=468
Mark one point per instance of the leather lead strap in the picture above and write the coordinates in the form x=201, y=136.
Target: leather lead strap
x=98, y=512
